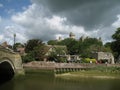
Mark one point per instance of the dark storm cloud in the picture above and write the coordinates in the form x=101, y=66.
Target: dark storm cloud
x=88, y=13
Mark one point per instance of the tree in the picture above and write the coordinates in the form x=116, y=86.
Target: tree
x=52, y=42
x=108, y=47
x=32, y=48
x=29, y=57
x=31, y=44
x=40, y=52
x=72, y=45
x=115, y=45
x=83, y=47
x=116, y=35
x=89, y=45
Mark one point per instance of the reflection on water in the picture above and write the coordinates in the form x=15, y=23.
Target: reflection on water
x=48, y=82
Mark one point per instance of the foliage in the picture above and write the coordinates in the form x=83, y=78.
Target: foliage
x=35, y=50
x=16, y=45
x=54, y=56
x=31, y=44
x=116, y=35
x=19, y=45
x=40, y=52
x=71, y=45
x=88, y=60
x=29, y=57
x=74, y=47
x=60, y=50
x=108, y=47
x=89, y=45
x=52, y=42
x=115, y=45
x=81, y=47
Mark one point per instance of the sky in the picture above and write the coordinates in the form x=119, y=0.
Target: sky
x=49, y=19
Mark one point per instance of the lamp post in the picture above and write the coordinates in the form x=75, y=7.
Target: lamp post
x=14, y=41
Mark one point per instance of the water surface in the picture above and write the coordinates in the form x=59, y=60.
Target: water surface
x=43, y=81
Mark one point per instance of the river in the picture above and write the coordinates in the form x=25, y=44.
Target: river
x=45, y=81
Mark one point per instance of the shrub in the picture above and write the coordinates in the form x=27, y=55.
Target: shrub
x=28, y=58
x=88, y=60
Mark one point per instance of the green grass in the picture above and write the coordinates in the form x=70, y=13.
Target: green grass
x=99, y=72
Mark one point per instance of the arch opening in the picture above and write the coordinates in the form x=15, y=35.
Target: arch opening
x=6, y=72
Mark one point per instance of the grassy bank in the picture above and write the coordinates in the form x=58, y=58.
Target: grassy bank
x=98, y=72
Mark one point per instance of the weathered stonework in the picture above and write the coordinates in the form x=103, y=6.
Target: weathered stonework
x=104, y=56
x=14, y=59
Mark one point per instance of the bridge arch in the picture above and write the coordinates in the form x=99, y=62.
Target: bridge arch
x=10, y=64
x=7, y=70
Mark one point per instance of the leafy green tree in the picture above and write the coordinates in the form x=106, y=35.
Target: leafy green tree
x=108, y=44
x=33, y=48
x=40, y=52
x=55, y=57
x=29, y=57
x=115, y=45
x=108, y=47
x=89, y=45
x=71, y=45
x=31, y=44
x=52, y=42
x=116, y=35
x=81, y=47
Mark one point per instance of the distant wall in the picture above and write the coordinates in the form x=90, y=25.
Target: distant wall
x=53, y=65
x=104, y=56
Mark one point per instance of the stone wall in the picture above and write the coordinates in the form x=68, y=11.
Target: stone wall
x=14, y=58
x=104, y=56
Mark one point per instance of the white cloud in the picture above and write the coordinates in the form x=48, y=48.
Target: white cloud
x=58, y=23
x=116, y=24
x=1, y=37
x=9, y=31
x=36, y=21
x=38, y=24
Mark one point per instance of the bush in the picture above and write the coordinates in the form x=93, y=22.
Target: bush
x=88, y=60
x=28, y=58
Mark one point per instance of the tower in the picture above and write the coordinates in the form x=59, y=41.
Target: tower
x=72, y=35
x=14, y=41
x=60, y=38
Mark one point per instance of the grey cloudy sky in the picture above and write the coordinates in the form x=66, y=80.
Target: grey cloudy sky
x=89, y=13
x=49, y=19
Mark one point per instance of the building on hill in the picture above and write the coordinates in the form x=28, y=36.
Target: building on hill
x=59, y=39
x=72, y=35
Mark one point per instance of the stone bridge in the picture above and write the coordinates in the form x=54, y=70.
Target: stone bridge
x=10, y=64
